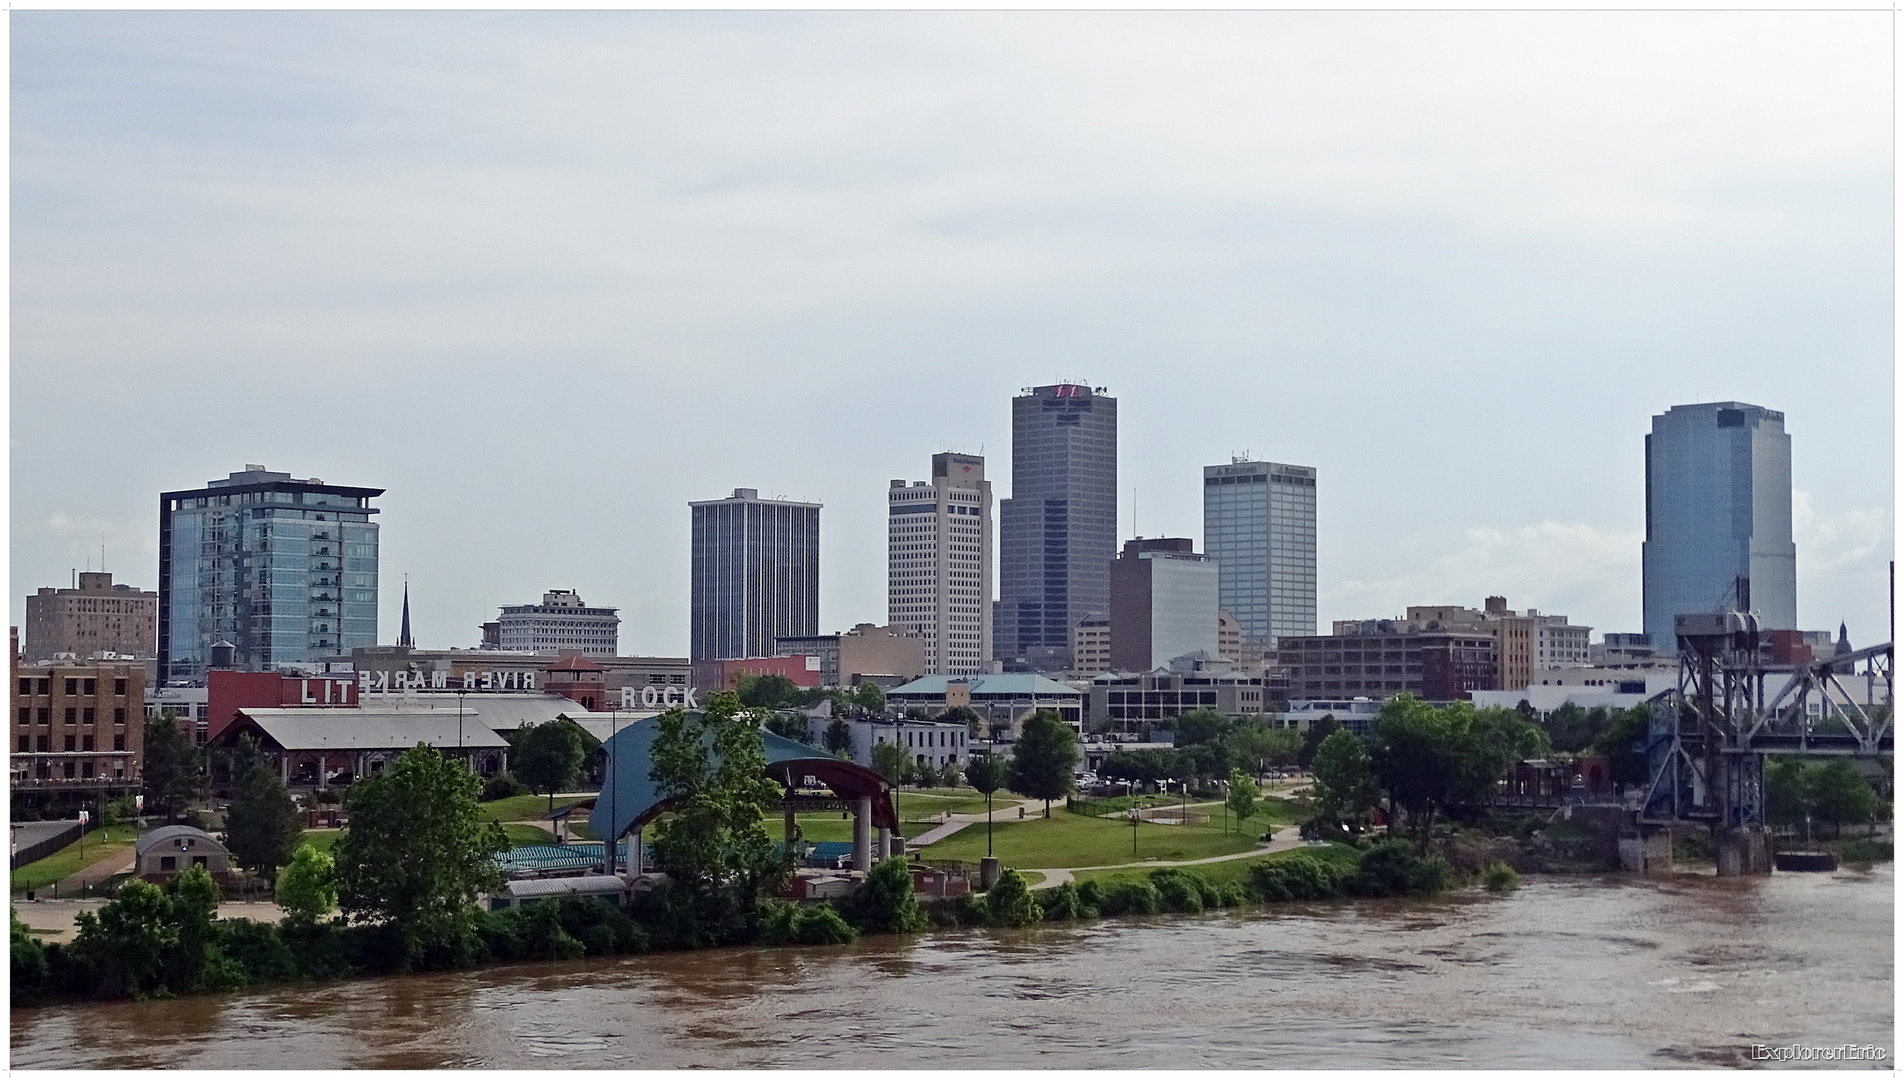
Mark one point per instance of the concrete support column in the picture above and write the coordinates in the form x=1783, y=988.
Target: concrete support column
x=883, y=849
x=863, y=834
x=792, y=827
x=323, y=772
x=284, y=767
x=634, y=856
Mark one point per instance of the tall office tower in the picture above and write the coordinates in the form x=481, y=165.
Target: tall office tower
x=1259, y=524
x=1057, y=533
x=939, y=563
x=1718, y=517
x=755, y=575
x=1163, y=604
x=284, y=570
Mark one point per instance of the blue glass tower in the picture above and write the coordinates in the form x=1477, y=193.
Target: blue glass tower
x=1718, y=517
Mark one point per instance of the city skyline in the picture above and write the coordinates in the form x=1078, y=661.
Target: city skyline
x=1467, y=338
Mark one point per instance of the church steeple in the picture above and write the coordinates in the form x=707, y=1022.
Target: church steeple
x=404, y=640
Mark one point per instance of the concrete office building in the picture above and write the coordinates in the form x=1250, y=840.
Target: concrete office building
x=1259, y=524
x=561, y=622
x=95, y=618
x=1718, y=517
x=1380, y=658
x=755, y=574
x=939, y=563
x=1163, y=604
x=1091, y=645
x=285, y=570
x=1127, y=703
x=1057, y=533
x=865, y=651
x=1524, y=642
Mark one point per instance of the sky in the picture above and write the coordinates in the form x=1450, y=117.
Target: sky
x=546, y=277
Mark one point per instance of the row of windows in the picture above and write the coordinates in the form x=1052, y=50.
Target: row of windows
x=74, y=715
x=31, y=743
x=75, y=687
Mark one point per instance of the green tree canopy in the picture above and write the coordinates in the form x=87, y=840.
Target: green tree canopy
x=1044, y=757
x=1201, y=725
x=1840, y=794
x=962, y=714
x=548, y=757
x=987, y=773
x=790, y=725
x=869, y=698
x=1144, y=766
x=1428, y=758
x=175, y=775
x=891, y=761
x=1242, y=796
x=307, y=889
x=839, y=737
x=714, y=845
x=1312, y=739
x=417, y=852
x=1621, y=743
x=263, y=825
x=1345, y=781
x=1256, y=748
x=768, y=691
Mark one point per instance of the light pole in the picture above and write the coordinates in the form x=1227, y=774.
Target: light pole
x=460, y=694
x=610, y=843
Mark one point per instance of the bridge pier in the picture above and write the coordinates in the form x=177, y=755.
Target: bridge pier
x=1739, y=851
x=1647, y=851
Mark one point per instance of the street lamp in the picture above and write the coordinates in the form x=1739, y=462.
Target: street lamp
x=613, y=841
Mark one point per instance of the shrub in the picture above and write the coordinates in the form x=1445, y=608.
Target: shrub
x=322, y=950
x=603, y=928
x=1064, y=902
x=1392, y=868
x=1499, y=877
x=503, y=785
x=1090, y=895
x=1865, y=851
x=782, y=923
x=1010, y=903
x=1131, y=898
x=1178, y=889
x=1300, y=876
x=532, y=932
x=885, y=903
x=258, y=949
x=30, y=970
x=1231, y=894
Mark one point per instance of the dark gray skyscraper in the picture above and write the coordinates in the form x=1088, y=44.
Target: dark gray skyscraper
x=1057, y=533
x=755, y=575
x=1718, y=517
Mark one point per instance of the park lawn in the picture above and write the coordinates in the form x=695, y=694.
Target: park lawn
x=1067, y=840
x=518, y=808
x=821, y=828
x=321, y=839
x=929, y=803
x=520, y=834
x=74, y=857
x=1220, y=873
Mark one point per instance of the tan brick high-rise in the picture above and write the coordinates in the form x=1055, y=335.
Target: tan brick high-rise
x=98, y=617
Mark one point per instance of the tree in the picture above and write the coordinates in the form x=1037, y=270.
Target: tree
x=1620, y=742
x=1203, y=762
x=891, y=761
x=1043, y=758
x=962, y=714
x=868, y=698
x=1345, y=782
x=1202, y=725
x=790, y=725
x=711, y=768
x=839, y=737
x=307, y=889
x=263, y=826
x=128, y=941
x=987, y=773
x=175, y=774
x=1572, y=729
x=417, y=852
x=767, y=691
x=1312, y=739
x=1255, y=748
x=1242, y=796
x=1840, y=794
x=1143, y=766
x=1428, y=758
x=548, y=757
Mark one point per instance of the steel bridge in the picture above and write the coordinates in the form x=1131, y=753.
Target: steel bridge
x=1708, y=738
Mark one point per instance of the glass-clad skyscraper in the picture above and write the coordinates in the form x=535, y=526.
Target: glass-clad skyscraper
x=1057, y=533
x=1259, y=524
x=754, y=575
x=1718, y=517
x=284, y=570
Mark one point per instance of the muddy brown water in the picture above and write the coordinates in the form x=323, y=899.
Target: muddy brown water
x=1566, y=972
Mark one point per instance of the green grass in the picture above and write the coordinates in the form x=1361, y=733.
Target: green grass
x=519, y=808
x=321, y=839
x=1234, y=870
x=520, y=834
x=1073, y=840
x=929, y=803
x=74, y=857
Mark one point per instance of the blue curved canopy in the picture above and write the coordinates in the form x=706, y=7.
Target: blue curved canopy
x=628, y=798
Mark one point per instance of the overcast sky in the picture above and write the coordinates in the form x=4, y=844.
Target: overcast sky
x=547, y=277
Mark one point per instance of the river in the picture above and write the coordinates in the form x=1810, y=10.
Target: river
x=1614, y=972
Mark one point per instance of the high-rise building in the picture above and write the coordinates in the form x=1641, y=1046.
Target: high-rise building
x=562, y=623
x=939, y=563
x=1163, y=604
x=755, y=574
x=1057, y=533
x=97, y=617
x=283, y=570
x=1718, y=517
x=1259, y=524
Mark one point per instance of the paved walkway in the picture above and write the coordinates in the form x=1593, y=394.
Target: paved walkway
x=53, y=919
x=955, y=822
x=119, y=862
x=1287, y=838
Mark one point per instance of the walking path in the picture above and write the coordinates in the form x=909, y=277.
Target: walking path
x=1287, y=838
x=119, y=862
x=955, y=822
